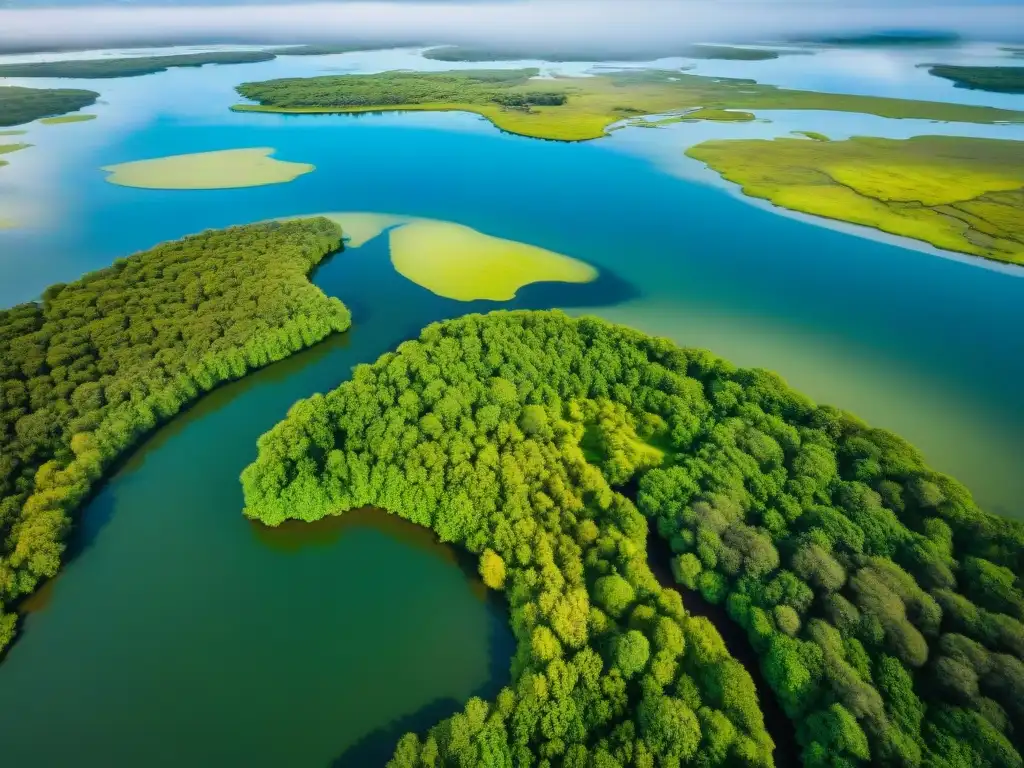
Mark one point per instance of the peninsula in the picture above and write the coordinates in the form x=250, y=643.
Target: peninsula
x=960, y=194
x=883, y=605
x=573, y=109
x=97, y=364
x=994, y=79
x=23, y=105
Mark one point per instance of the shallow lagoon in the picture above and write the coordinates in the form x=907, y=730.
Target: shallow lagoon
x=176, y=601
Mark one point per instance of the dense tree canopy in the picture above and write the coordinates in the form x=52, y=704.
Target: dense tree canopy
x=883, y=604
x=129, y=66
x=96, y=364
x=23, y=105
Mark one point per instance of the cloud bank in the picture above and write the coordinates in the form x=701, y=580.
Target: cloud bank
x=542, y=23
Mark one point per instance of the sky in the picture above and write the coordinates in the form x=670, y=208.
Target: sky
x=513, y=22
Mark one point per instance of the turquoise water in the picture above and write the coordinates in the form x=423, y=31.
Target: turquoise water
x=180, y=634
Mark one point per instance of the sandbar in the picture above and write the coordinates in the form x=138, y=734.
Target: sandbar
x=222, y=169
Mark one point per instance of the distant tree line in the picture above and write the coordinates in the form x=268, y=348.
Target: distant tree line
x=129, y=66
x=96, y=364
x=23, y=105
x=395, y=88
x=884, y=605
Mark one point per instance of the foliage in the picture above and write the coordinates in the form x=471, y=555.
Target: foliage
x=465, y=53
x=23, y=105
x=475, y=431
x=574, y=108
x=994, y=79
x=961, y=194
x=96, y=364
x=883, y=604
x=131, y=66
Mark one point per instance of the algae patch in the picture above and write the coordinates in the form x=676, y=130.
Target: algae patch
x=456, y=261
x=460, y=263
x=67, y=119
x=960, y=194
x=223, y=169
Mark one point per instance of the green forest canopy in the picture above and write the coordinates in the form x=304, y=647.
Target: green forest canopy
x=995, y=79
x=698, y=51
x=574, y=108
x=98, y=363
x=23, y=105
x=882, y=602
x=958, y=193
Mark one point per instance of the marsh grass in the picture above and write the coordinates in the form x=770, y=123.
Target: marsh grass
x=960, y=194
x=224, y=169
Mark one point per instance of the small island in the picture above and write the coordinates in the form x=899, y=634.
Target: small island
x=23, y=105
x=222, y=169
x=993, y=79
x=573, y=108
x=78, y=118
x=882, y=604
x=460, y=263
x=959, y=194
x=129, y=66
x=95, y=365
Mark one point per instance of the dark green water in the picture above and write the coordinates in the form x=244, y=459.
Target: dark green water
x=182, y=635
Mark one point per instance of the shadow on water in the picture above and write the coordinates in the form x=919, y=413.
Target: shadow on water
x=377, y=747
x=779, y=727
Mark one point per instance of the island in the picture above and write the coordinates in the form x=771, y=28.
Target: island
x=573, y=108
x=697, y=51
x=884, y=607
x=221, y=169
x=456, y=261
x=77, y=118
x=95, y=365
x=460, y=263
x=956, y=193
x=993, y=79
x=129, y=66
x=23, y=105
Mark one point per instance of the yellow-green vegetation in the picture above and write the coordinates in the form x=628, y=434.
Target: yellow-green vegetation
x=13, y=133
x=693, y=116
x=719, y=115
x=23, y=105
x=961, y=194
x=5, y=148
x=460, y=263
x=574, y=109
x=813, y=135
x=81, y=118
x=360, y=227
x=223, y=169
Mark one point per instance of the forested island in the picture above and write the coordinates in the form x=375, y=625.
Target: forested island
x=883, y=604
x=23, y=105
x=129, y=66
x=994, y=79
x=698, y=51
x=957, y=193
x=97, y=364
x=573, y=109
